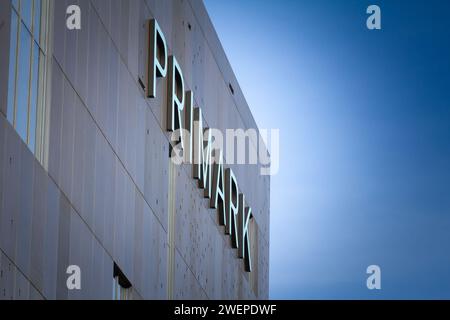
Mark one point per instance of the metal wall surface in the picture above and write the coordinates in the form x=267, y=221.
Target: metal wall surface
x=105, y=197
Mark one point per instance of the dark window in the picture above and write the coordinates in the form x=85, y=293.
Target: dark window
x=122, y=288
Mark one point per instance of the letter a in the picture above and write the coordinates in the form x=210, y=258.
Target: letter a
x=374, y=280
x=73, y=22
x=74, y=280
x=374, y=20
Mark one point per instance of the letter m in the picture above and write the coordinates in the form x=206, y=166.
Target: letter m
x=202, y=154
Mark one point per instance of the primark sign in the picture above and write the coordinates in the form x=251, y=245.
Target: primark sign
x=192, y=143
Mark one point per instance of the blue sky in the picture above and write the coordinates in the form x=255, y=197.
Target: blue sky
x=364, y=119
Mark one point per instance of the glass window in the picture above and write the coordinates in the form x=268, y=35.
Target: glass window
x=23, y=81
x=25, y=54
x=37, y=20
x=26, y=11
x=15, y=4
x=33, y=98
x=12, y=67
x=120, y=292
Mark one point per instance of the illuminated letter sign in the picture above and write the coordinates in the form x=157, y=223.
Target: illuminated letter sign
x=231, y=206
x=218, y=192
x=186, y=122
x=202, y=154
x=157, y=54
x=175, y=99
x=188, y=126
x=245, y=214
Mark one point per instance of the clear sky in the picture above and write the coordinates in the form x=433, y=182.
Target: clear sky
x=364, y=119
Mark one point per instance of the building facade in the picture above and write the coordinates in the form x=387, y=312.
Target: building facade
x=86, y=180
